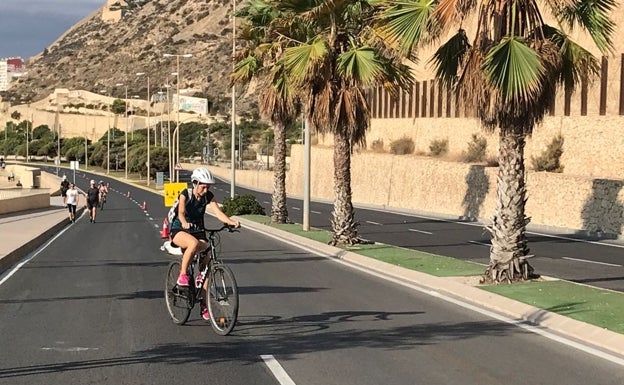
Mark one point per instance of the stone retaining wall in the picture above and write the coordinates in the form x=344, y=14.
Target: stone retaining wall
x=453, y=189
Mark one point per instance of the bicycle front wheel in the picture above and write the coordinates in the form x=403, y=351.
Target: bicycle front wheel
x=222, y=300
x=179, y=302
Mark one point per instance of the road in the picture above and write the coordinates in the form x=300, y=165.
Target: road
x=88, y=309
x=566, y=256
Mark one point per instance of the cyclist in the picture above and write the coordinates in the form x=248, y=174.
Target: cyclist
x=190, y=216
x=103, y=189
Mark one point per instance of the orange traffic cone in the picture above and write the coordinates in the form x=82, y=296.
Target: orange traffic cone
x=144, y=206
x=164, y=233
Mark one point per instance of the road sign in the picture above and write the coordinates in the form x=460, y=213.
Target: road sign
x=178, y=166
x=172, y=190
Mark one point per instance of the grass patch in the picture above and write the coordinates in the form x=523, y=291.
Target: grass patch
x=598, y=307
x=411, y=259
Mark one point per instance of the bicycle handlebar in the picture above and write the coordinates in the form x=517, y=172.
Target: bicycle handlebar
x=229, y=228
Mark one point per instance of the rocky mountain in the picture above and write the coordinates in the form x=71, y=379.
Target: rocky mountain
x=123, y=38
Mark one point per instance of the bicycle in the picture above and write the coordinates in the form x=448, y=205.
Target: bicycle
x=222, y=290
x=102, y=201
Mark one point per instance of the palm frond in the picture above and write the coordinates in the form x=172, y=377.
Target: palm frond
x=448, y=58
x=514, y=69
x=593, y=17
x=303, y=61
x=245, y=70
x=407, y=23
x=359, y=65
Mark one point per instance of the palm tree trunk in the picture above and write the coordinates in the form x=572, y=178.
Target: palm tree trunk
x=343, y=221
x=279, y=210
x=509, y=251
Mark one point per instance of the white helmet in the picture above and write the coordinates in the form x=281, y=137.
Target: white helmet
x=92, y=181
x=202, y=175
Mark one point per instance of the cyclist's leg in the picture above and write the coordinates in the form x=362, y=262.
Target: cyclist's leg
x=190, y=245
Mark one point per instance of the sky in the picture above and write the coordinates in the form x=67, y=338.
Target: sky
x=27, y=27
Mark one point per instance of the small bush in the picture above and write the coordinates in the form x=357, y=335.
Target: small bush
x=241, y=205
x=476, y=149
x=549, y=160
x=438, y=147
x=402, y=146
x=378, y=146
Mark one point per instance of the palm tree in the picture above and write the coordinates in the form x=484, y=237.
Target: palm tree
x=507, y=77
x=277, y=101
x=331, y=57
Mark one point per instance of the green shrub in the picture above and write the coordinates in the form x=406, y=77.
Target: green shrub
x=377, y=145
x=438, y=147
x=476, y=149
x=549, y=159
x=241, y=205
x=402, y=146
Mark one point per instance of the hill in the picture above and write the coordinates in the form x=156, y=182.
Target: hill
x=111, y=45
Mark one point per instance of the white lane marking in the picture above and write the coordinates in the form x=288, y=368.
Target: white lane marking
x=420, y=231
x=517, y=322
x=155, y=225
x=7, y=274
x=278, y=371
x=480, y=243
x=296, y=208
x=374, y=223
x=478, y=224
x=315, y=212
x=586, y=261
x=74, y=349
x=267, y=202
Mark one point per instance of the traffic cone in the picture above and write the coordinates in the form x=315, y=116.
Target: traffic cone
x=164, y=233
x=128, y=194
x=144, y=206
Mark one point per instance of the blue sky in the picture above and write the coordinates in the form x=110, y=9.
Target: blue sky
x=29, y=26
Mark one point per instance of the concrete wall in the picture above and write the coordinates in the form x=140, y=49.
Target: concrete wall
x=453, y=189
x=593, y=147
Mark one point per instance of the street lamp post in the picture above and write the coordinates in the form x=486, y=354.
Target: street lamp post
x=107, y=142
x=177, y=134
x=126, y=112
x=233, y=171
x=147, y=164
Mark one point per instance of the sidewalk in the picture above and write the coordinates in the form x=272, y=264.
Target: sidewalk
x=24, y=231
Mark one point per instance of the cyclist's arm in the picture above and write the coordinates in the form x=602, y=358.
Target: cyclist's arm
x=182, y=212
x=221, y=215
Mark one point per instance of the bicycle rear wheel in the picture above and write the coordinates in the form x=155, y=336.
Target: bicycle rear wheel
x=222, y=300
x=179, y=301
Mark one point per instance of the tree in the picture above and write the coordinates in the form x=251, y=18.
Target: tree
x=16, y=115
x=331, y=56
x=507, y=78
x=278, y=102
x=118, y=107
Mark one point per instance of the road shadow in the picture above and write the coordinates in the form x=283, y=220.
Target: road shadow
x=603, y=213
x=289, y=338
x=477, y=188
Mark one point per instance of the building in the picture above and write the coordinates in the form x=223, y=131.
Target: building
x=10, y=68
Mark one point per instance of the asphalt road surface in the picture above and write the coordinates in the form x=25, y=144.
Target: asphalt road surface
x=88, y=308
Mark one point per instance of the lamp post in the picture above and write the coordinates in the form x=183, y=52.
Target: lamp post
x=107, y=141
x=147, y=164
x=177, y=133
x=126, y=112
x=233, y=171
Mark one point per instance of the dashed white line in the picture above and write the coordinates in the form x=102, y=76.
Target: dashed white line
x=374, y=223
x=596, y=262
x=296, y=208
x=420, y=231
x=480, y=243
x=278, y=371
x=315, y=212
x=267, y=202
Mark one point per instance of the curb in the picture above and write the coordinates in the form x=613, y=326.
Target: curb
x=598, y=337
x=16, y=255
